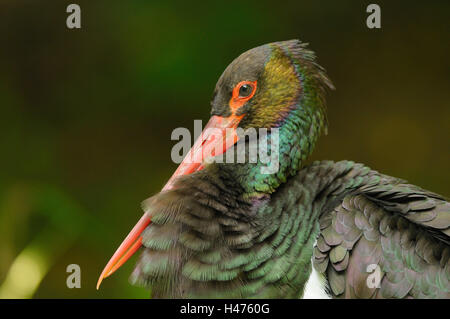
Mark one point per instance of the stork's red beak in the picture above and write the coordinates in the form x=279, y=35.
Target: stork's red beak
x=218, y=135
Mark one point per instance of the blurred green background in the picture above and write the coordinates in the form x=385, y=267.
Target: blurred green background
x=86, y=115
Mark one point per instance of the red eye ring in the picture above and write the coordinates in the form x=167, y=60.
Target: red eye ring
x=236, y=100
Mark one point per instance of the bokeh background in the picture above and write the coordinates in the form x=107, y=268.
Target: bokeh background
x=86, y=115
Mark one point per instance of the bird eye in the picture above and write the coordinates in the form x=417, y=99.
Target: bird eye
x=242, y=92
x=245, y=90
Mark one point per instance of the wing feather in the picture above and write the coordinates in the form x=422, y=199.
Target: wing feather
x=400, y=229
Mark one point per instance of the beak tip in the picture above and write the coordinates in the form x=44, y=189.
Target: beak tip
x=129, y=246
x=99, y=282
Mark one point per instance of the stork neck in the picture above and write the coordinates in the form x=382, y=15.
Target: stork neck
x=288, y=146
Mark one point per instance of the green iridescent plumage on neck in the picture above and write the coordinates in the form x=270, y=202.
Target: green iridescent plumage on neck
x=292, y=99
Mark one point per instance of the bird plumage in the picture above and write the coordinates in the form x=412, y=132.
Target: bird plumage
x=230, y=231
x=206, y=242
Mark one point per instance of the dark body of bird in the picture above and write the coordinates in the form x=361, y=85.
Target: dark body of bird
x=227, y=230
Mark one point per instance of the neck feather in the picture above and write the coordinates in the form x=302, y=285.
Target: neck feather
x=294, y=143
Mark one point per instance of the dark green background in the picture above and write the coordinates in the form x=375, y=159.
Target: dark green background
x=86, y=115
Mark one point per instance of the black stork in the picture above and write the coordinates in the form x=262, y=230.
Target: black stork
x=327, y=229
